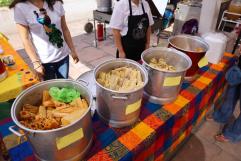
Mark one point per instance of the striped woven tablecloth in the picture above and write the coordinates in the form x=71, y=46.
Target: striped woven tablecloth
x=159, y=131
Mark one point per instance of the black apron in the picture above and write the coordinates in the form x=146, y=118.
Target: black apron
x=135, y=41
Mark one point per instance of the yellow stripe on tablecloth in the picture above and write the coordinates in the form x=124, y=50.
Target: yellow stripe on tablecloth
x=142, y=130
x=10, y=88
x=11, y=141
x=4, y=37
x=181, y=101
x=205, y=80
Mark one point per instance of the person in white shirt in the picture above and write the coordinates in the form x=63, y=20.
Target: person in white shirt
x=131, y=24
x=45, y=35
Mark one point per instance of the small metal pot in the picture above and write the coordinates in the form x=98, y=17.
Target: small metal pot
x=65, y=143
x=104, y=5
x=188, y=44
x=119, y=109
x=164, y=86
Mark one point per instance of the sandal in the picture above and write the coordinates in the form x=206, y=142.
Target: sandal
x=221, y=138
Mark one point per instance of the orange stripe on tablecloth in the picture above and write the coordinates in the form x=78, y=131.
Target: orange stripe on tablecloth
x=101, y=155
x=142, y=130
x=188, y=95
x=153, y=121
x=181, y=101
x=172, y=108
x=218, y=67
x=229, y=55
x=199, y=85
x=209, y=75
x=205, y=80
x=130, y=140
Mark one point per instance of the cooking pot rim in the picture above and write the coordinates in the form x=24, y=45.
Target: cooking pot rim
x=197, y=38
x=13, y=109
x=171, y=50
x=122, y=60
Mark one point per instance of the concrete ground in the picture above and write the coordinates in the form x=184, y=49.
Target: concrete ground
x=200, y=147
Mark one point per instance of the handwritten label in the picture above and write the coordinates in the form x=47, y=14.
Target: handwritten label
x=69, y=139
x=133, y=107
x=203, y=62
x=172, y=81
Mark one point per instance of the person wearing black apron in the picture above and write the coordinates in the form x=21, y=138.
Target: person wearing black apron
x=137, y=39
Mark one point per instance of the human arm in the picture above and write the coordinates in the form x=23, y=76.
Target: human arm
x=68, y=39
x=148, y=37
x=151, y=22
x=28, y=46
x=118, y=43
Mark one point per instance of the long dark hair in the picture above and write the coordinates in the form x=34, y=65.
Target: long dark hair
x=50, y=3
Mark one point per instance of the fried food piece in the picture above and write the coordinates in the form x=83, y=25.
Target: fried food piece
x=26, y=115
x=46, y=96
x=85, y=104
x=58, y=114
x=161, y=64
x=66, y=120
x=77, y=103
x=121, y=79
x=49, y=113
x=50, y=124
x=59, y=104
x=42, y=112
x=49, y=103
x=30, y=108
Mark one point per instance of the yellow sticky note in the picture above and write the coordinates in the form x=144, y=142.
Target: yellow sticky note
x=203, y=62
x=172, y=81
x=69, y=139
x=133, y=107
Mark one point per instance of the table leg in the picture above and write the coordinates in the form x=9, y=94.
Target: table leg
x=95, y=35
x=105, y=30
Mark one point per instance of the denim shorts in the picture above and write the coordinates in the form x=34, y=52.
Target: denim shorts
x=57, y=70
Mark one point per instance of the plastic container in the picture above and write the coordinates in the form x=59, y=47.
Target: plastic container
x=217, y=45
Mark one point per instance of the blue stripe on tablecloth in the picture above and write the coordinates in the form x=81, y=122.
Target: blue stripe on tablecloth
x=152, y=107
x=4, y=129
x=107, y=137
x=127, y=157
x=21, y=152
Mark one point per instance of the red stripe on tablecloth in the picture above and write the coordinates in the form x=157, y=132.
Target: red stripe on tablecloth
x=5, y=121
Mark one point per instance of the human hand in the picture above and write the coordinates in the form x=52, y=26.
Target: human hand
x=75, y=57
x=122, y=55
x=39, y=70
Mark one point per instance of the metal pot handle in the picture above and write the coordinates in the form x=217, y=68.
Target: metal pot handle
x=11, y=128
x=120, y=97
x=83, y=81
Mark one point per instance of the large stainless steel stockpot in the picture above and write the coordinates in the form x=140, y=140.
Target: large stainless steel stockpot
x=164, y=86
x=66, y=143
x=119, y=109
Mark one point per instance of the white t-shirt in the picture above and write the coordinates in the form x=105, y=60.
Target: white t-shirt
x=119, y=18
x=47, y=52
